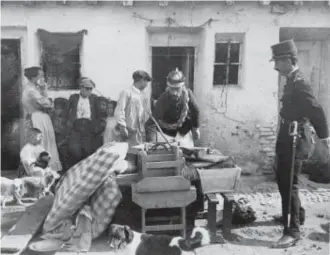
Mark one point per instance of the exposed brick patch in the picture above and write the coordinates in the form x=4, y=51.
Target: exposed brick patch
x=267, y=140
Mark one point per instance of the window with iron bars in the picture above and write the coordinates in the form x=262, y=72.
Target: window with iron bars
x=227, y=62
x=60, y=58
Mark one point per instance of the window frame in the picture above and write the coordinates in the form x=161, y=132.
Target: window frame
x=81, y=57
x=229, y=38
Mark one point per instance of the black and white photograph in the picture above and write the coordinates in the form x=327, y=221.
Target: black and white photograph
x=165, y=127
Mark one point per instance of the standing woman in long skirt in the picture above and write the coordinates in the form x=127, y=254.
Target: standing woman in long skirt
x=36, y=105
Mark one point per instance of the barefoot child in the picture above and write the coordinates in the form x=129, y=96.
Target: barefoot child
x=31, y=151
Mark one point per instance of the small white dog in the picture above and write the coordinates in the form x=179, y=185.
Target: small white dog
x=12, y=189
x=49, y=178
x=125, y=241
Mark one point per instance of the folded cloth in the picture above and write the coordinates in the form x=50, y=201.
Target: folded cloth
x=82, y=236
x=90, y=180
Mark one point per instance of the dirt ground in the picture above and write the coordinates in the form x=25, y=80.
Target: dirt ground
x=255, y=239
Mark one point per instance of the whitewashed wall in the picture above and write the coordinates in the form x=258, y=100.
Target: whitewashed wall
x=118, y=43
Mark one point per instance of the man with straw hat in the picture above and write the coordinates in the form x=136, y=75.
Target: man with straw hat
x=177, y=112
x=295, y=138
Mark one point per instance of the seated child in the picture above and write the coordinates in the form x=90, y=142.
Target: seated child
x=31, y=151
x=110, y=131
x=36, y=162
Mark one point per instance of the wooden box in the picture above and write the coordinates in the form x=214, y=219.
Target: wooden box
x=222, y=180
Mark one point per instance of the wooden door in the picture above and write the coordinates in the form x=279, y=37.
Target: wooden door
x=10, y=103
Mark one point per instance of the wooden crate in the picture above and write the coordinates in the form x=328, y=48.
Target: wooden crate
x=161, y=185
x=160, y=163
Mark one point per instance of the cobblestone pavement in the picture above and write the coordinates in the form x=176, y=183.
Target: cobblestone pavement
x=255, y=239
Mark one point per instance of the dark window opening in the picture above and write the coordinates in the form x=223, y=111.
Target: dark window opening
x=61, y=58
x=227, y=62
x=166, y=59
x=11, y=109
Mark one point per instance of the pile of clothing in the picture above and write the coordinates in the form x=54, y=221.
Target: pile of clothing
x=86, y=199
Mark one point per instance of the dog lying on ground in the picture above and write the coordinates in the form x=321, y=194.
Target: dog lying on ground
x=125, y=241
x=12, y=188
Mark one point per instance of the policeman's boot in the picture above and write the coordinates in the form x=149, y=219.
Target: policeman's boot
x=279, y=218
x=287, y=240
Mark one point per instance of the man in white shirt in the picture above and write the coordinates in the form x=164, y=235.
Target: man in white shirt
x=82, y=117
x=133, y=110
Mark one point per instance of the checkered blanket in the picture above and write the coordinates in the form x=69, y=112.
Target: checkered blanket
x=91, y=182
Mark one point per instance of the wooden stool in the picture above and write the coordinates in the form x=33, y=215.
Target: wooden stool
x=164, y=199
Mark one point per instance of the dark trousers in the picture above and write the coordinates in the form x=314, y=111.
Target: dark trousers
x=80, y=143
x=284, y=160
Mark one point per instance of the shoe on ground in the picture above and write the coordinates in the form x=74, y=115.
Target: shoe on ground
x=284, y=242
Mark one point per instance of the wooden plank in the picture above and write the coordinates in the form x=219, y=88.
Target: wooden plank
x=227, y=215
x=184, y=222
x=212, y=217
x=127, y=179
x=27, y=226
x=168, y=183
x=163, y=218
x=159, y=173
x=164, y=227
x=169, y=199
x=212, y=198
x=164, y=164
x=160, y=157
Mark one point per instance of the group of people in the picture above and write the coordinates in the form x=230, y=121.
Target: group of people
x=75, y=128
x=92, y=120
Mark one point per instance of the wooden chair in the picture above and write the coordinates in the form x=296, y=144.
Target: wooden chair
x=162, y=186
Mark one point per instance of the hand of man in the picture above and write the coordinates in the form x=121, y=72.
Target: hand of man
x=196, y=134
x=326, y=143
x=123, y=132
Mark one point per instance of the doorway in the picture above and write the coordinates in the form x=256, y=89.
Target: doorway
x=166, y=59
x=10, y=103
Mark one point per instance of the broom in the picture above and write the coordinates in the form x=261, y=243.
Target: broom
x=188, y=171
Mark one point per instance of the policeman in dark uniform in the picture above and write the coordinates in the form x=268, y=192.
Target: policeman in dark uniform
x=298, y=104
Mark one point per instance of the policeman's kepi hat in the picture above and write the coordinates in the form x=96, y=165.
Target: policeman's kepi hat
x=284, y=49
x=175, y=79
x=141, y=75
x=86, y=83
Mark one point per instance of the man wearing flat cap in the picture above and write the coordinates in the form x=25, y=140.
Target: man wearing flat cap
x=300, y=105
x=133, y=110
x=82, y=116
